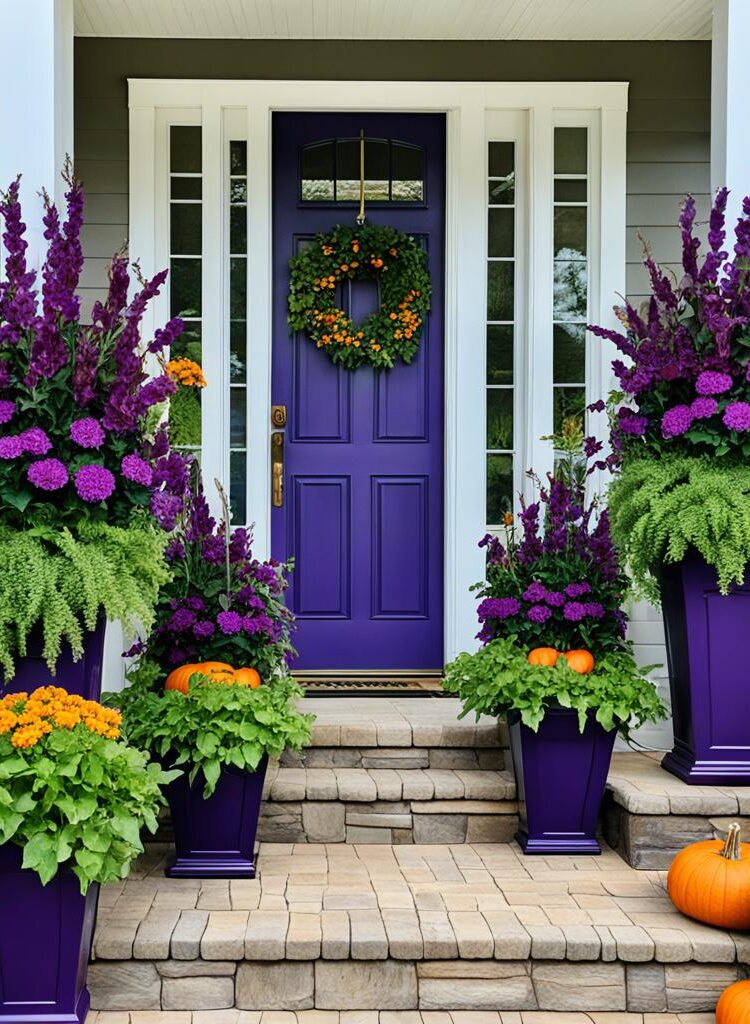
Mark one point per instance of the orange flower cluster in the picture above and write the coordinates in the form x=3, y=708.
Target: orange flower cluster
x=30, y=717
x=338, y=328
x=409, y=322
x=186, y=372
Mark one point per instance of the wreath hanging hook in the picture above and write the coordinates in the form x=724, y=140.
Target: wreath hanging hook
x=361, y=214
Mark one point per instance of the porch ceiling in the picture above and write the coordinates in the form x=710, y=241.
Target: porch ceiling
x=396, y=19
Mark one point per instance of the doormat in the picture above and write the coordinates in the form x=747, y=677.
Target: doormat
x=358, y=686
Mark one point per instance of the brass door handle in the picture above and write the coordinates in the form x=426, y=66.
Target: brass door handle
x=277, y=469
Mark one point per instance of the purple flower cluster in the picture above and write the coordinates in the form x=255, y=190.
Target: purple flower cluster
x=95, y=437
x=685, y=367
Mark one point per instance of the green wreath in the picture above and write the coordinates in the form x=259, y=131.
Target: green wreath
x=372, y=251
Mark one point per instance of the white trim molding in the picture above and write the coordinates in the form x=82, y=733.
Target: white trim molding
x=730, y=85
x=469, y=109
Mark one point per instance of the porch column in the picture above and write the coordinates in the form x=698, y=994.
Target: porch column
x=36, y=103
x=730, y=114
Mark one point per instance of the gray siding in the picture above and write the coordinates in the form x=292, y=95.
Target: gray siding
x=668, y=120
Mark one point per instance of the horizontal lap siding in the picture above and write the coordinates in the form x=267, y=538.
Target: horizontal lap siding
x=667, y=149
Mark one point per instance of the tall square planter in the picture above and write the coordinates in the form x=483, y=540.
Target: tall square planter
x=215, y=837
x=708, y=677
x=561, y=774
x=45, y=944
x=82, y=677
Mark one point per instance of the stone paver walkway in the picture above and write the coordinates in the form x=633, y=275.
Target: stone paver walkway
x=391, y=1017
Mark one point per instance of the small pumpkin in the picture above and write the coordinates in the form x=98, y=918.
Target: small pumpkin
x=543, y=656
x=247, y=677
x=179, y=678
x=710, y=881
x=580, y=661
x=733, y=1006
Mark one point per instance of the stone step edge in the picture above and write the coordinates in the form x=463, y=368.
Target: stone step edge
x=235, y=1016
x=408, y=985
x=369, y=734
x=367, y=785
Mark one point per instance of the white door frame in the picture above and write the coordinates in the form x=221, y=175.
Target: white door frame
x=466, y=106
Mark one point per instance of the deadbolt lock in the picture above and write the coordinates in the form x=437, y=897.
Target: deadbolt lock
x=278, y=415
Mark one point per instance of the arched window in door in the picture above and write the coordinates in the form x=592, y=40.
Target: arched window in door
x=330, y=170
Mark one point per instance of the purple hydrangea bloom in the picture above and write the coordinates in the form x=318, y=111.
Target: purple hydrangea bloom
x=87, y=432
x=94, y=483
x=204, y=629
x=35, y=441
x=182, y=620
x=574, y=611
x=577, y=589
x=11, y=447
x=535, y=592
x=47, y=474
x=703, y=408
x=555, y=599
x=229, y=622
x=631, y=423
x=677, y=420
x=7, y=410
x=712, y=383
x=134, y=468
x=737, y=416
x=498, y=608
x=197, y=604
x=594, y=610
x=538, y=613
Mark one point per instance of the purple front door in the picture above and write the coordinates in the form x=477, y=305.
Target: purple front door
x=362, y=511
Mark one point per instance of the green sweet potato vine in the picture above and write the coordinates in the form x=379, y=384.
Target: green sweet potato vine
x=498, y=678
x=213, y=725
x=659, y=508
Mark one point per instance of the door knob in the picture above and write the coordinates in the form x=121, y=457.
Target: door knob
x=277, y=469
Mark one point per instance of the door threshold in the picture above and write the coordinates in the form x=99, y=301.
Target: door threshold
x=321, y=684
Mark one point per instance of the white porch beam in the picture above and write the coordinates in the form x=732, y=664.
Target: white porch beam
x=36, y=103
x=730, y=114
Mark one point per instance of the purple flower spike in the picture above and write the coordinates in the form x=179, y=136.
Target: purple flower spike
x=737, y=416
x=166, y=509
x=94, y=483
x=47, y=474
x=87, y=433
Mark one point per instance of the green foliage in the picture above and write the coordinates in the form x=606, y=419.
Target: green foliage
x=185, y=418
x=63, y=581
x=498, y=678
x=369, y=252
x=78, y=799
x=213, y=725
x=659, y=508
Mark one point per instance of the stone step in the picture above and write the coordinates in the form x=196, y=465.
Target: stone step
x=649, y=815
x=421, y=928
x=388, y=1017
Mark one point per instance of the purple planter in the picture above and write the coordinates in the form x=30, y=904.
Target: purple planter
x=215, y=838
x=83, y=677
x=45, y=942
x=560, y=776
x=710, y=710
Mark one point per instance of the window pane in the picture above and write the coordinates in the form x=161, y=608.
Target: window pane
x=407, y=170
x=238, y=158
x=185, y=288
x=185, y=229
x=500, y=232
x=499, y=487
x=186, y=188
x=500, y=418
x=188, y=345
x=569, y=190
x=570, y=354
x=238, y=351
x=570, y=232
x=237, y=487
x=377, y=170
x=501, y=159
x=238, y=191
x=185, y=418
x=571, y=150
x=185, y=148
x=237, y=417
x=500, y=291
x=237, y=288
x=238, y=229
x=347, y=170
x=570, y=289
x=317, y=172
x=569, y=403
x=500, y=354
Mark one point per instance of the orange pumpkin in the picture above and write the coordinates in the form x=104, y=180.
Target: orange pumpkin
x=710, y=881
x=217, y=671
x=247, y=677
x=580, y=661
x=543, y=656
x=733, y=1006
x=179, y=678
